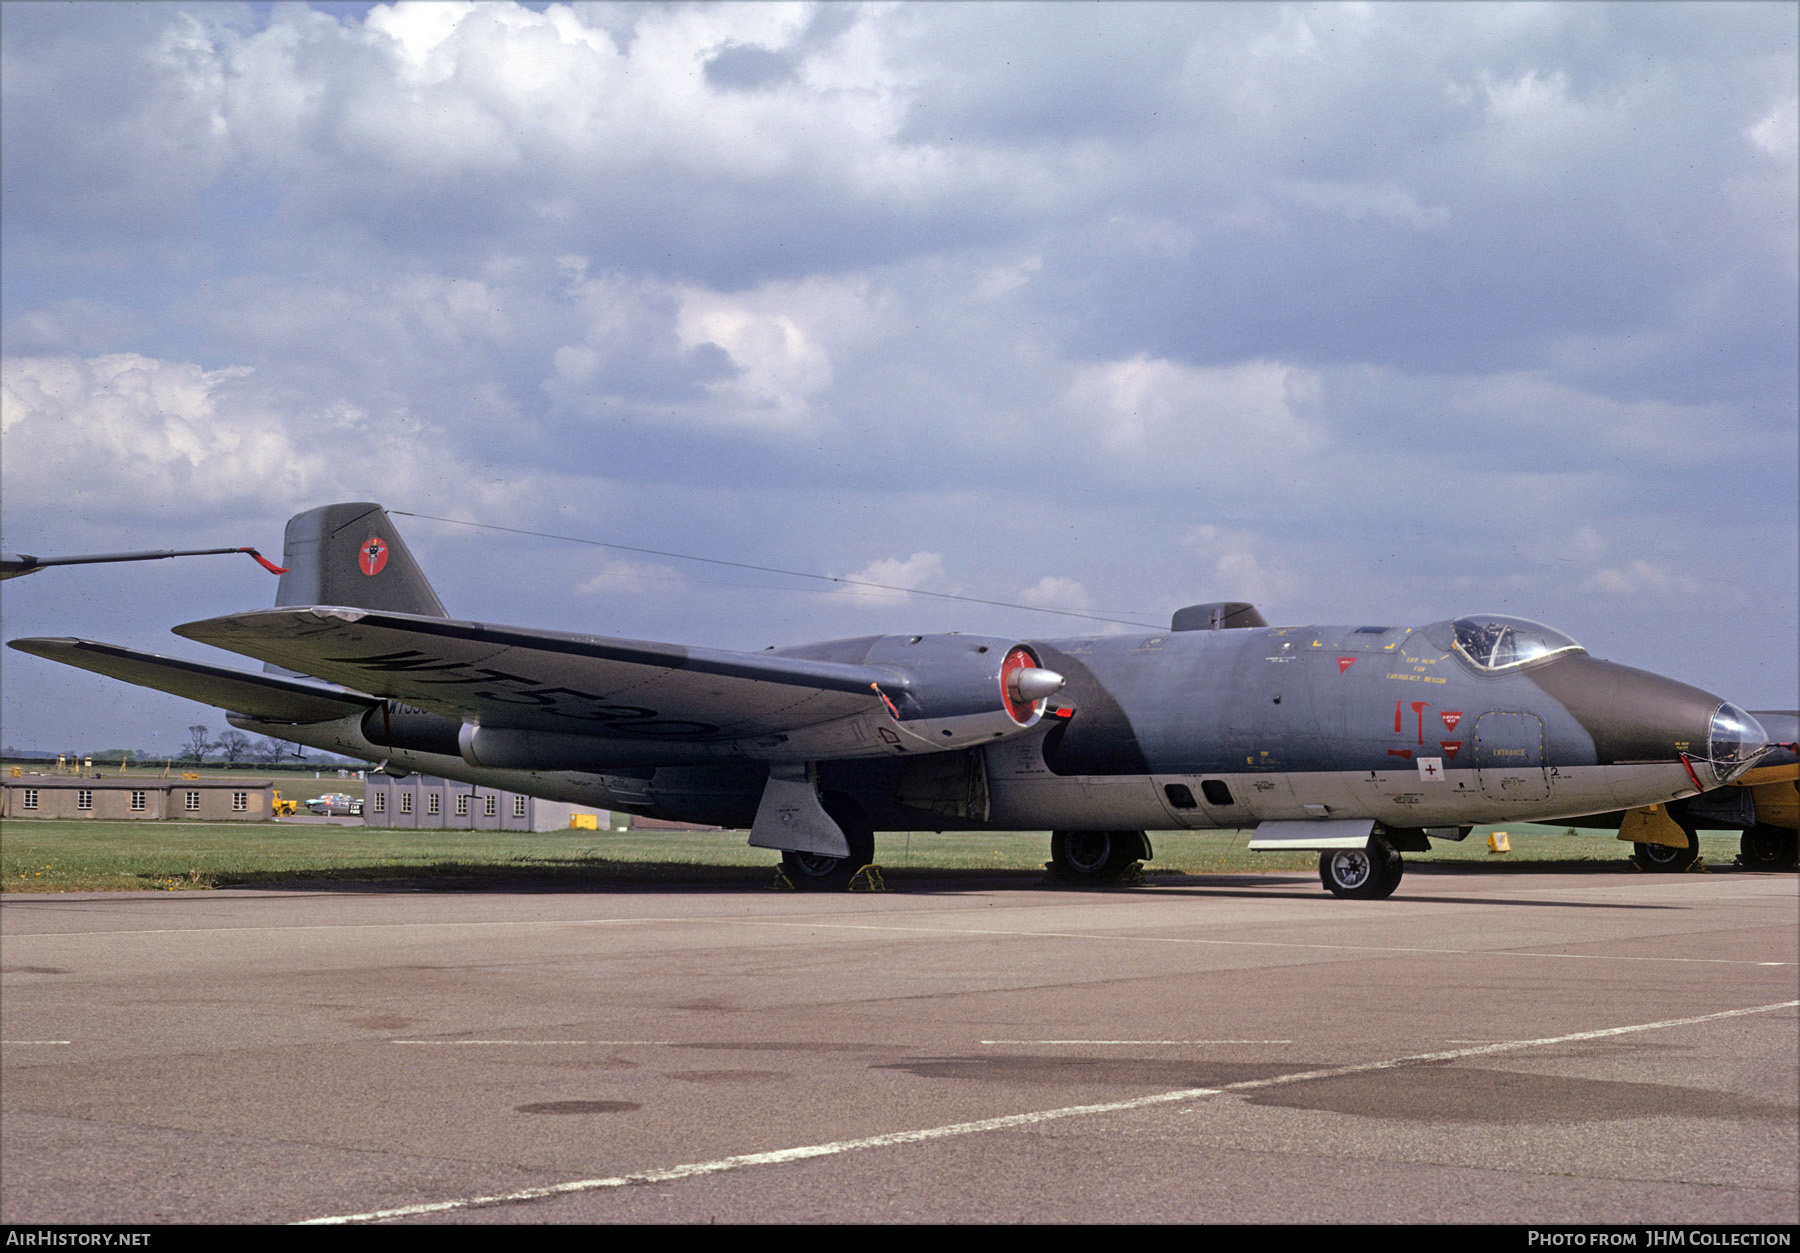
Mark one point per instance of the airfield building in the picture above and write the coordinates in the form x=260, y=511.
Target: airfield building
x=201, y=800
x=419, y=801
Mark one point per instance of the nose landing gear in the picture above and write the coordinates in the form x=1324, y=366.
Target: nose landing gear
x=1363, y=874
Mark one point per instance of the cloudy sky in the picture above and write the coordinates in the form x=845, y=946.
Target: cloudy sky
x=1365, y=313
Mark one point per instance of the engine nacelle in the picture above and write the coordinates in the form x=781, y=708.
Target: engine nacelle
x=947, y=692
x=956, y=691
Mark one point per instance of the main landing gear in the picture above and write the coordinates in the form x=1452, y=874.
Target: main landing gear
x=1765, y=847
x=1096, y=857
x=816, y=872
x=1363, y=874
x=1664, y=858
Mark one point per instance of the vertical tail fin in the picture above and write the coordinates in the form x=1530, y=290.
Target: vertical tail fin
x=350, y=554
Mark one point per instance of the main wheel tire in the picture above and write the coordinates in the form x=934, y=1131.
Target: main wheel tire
x=1765, y=847
x=816, y=872
x=1094, y=856
x=1662, y=859
x=1362, y=874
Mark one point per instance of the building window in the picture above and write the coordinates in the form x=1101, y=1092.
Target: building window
x=240, y=802
x=433, y=803
x=193, y=802
x=84, y=798
x=137, y=802
x=406, y=802
x=518, y=806
x=381, y=802
x=492, y=808
x=31, y=798
x=462, y=807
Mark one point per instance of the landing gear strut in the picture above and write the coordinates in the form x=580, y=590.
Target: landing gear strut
x=816, y=872
x=1096, y=857
x=1362, y=874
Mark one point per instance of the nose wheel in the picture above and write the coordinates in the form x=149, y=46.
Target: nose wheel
x=1362, y=874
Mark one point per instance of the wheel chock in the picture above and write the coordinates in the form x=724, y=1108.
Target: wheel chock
x=868, y=879
x=782, y=882
x=1498, y=843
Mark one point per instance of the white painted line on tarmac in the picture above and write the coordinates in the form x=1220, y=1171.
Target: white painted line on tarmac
x=37, y=1041
x=1138, y=1043
x=1282, y=944
x=741, y=1161
x=659, y=1043
x=816, y=925
x=16, y=936
x=692, y=1169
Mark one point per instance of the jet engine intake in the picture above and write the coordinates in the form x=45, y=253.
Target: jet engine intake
x=955, y=691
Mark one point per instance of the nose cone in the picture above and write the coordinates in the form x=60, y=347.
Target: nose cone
x=1638, y=717
x=1033, y=684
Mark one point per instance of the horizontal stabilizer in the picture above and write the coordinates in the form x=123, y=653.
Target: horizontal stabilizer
x=268, y=697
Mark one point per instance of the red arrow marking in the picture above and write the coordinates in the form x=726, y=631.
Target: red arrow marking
x=1344, y=663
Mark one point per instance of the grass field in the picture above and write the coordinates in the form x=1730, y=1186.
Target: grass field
x=45, y=855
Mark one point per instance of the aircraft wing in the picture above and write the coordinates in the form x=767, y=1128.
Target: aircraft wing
x=273, y=698
x=513, y=677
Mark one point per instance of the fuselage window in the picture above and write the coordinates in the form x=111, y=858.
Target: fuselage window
x=1180, y=796
x=1216, y=792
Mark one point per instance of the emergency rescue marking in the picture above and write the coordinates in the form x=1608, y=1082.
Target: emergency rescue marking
x=774, y=1157
x=373, y=555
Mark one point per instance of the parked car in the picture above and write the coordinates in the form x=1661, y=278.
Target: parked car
x=335, y=803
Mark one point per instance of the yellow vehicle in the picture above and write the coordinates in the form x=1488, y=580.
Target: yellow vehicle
x=285, y=808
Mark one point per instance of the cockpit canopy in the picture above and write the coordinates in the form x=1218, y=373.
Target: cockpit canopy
x=1496, y=642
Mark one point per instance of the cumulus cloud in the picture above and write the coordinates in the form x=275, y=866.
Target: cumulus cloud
x=1053, y=591
x=77, y=430
x=1242, y=419
x=1644, y=578
x=890, y=573
x=1241, y=568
